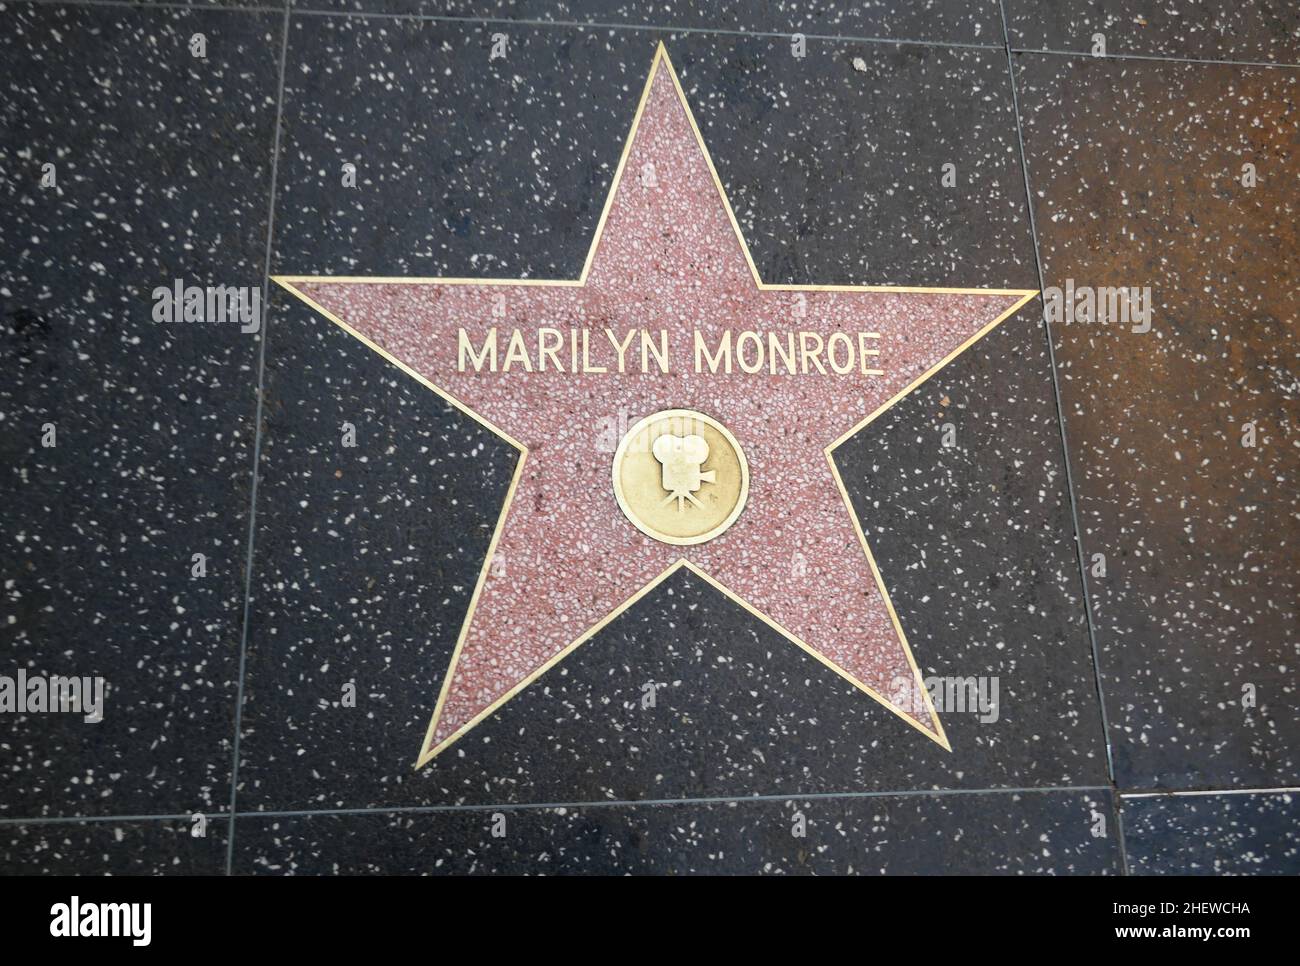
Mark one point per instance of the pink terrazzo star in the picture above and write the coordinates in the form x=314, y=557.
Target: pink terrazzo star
x=565, y=559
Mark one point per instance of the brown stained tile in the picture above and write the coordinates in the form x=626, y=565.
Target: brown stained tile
x=1136, y=175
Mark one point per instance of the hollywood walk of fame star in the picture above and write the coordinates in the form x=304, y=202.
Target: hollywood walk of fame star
x=667, y=256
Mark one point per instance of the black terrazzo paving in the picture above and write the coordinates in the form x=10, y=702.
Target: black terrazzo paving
x=117, y=847
x=1254, y=30
x=935, y=21
x=1250, y=834
x=162, y=168
x=748, y=712
x=1004, y=834
x=1136, y=169
x=835, y=163
x=365, y=557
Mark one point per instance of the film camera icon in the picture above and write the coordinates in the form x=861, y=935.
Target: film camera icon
x=681, y=458
x=661, y=460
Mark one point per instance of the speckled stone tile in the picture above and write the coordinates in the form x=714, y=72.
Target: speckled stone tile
x=835, y=164
x=935, y=21
x=1256, y=30
x=1244, y=834
x=994, y=834
x=125, y=847
x=366, y=559
x=737, y=710
x=834, y=168
x=976, y=541
x=439, y=136
x=162, y=168
x=1137, y=175
x=367, y=555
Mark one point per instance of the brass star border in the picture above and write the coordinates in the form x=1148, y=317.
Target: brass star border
x=661, y=60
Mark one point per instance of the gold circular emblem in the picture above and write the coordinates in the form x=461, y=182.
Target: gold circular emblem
x=680, y=476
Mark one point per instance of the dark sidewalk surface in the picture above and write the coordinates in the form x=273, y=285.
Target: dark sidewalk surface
x=1148, y=475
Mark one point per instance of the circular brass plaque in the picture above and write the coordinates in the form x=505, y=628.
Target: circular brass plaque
x=680, y=477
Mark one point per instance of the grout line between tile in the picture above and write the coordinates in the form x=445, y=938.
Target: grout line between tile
x=703, y=800
x=1085, y=55
x=597, y=25
x=601, y=803
x=257, y=440
x=161, y=5
x=1119, y=832
x=1189, y=793
x=100, y=819
x=634, y=803
x=1065, y=451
